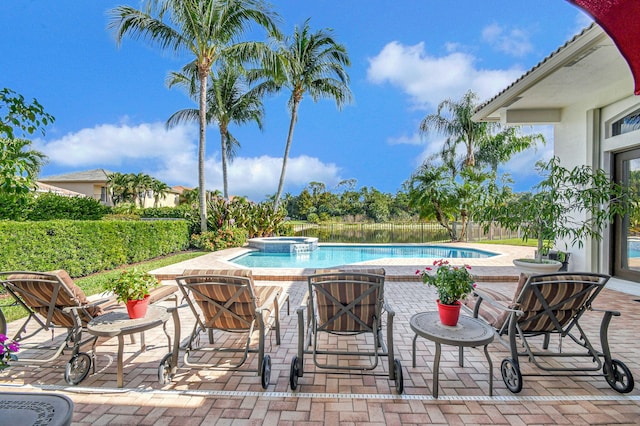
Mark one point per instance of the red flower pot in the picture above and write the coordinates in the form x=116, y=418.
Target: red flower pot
x=137, y=308
x=449, y=314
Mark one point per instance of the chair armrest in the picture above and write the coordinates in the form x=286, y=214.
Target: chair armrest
x=389, y=309
x=485, y=297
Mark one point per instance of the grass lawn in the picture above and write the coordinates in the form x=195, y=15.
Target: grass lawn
x=94, y=284
x=511, y=242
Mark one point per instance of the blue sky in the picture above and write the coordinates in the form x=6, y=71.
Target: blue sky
x=111, y=103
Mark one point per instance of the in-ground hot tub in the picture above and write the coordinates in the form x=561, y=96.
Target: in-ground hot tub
x=284, y=244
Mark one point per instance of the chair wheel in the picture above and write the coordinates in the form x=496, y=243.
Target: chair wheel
x=511, y=375
x=397, y=369
x=165, y=370
x=77, y=368
x=265, y=371
x=620, y=379
x=293, y=374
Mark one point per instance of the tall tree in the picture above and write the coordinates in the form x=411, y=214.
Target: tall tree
x=229, y=100
x=207, y=30
x=313, y=63
x=444, y=186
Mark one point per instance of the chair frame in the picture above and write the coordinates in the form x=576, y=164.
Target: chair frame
x=242, y=285
x=515, y=332
x=309, y=338
x=80, y=362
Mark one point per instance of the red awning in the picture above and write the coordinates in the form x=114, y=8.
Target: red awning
x=621, y=20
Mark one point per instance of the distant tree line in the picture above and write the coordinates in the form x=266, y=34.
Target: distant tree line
x=316, y=204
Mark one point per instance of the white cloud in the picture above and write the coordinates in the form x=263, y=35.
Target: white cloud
x=428, y=79
x=171, y=156
x=109, y=145
x=513, y=42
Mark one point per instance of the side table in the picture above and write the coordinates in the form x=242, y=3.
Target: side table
x=31, y=408
x=470, y=332
x=118, y=324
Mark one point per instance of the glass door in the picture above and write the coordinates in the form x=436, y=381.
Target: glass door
x=626, y=259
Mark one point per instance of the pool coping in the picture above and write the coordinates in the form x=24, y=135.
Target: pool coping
x=496, y=268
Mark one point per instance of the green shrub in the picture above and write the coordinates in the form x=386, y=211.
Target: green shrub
x=84, y=247
x=51, y=206
x=220, y=239
x=178, y=212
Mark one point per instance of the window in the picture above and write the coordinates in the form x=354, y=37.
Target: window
x=628, y=123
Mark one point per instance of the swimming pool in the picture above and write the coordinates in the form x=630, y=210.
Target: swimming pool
x=335, y=255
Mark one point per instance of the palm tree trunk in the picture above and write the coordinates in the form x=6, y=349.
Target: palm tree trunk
x=223, y=146
x=294, y=118
x=201, y=150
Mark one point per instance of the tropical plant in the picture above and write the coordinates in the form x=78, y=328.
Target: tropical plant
x=206, y=29
x=132, y=284
x=19, y=167
x=220, y=239
x=566, y=204
x=229, y=100
x=440, y=195
x=452, y=283
x=312, y=63
x=159, y=189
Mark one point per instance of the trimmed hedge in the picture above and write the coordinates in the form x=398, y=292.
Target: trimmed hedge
x=84, y=247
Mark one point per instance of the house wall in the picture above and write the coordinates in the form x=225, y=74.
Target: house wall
x=569, y=145
x=583, y=137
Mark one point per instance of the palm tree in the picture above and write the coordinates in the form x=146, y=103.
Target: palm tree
x=228, y=101
x=20, y=166
x=141, y=183
x=313, y=63
x=160, y=189
x=487, y=140
x=458, y=126
x=120, y=187
x=208, y=30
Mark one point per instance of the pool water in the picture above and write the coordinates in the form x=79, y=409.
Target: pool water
x=334, y=255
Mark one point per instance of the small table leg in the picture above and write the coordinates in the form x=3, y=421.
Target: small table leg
x=486, y=353
x=119, y=360
x=414, y=350
x=461, y=356
x=436, y=370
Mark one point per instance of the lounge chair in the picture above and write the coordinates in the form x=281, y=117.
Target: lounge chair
x=54, y=302
x=50, y=300
x=227, y=301
x=546, y=305
x=345, y=303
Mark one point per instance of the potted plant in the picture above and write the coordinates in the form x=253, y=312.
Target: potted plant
x=132, y=287
x=566, y=204
x=452, y=283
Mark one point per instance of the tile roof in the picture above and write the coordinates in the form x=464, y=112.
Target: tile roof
x=537, y=66
x=96, y=175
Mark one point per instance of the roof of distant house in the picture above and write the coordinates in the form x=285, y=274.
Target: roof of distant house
x=96, y=175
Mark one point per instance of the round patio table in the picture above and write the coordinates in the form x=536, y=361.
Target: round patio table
x=118, y=324
x=470, y=332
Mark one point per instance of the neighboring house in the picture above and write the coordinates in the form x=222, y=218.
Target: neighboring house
x=93, y=183
x=585, y=90
x=44, y=188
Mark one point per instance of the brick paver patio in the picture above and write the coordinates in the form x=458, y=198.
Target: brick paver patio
x=220, y=397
